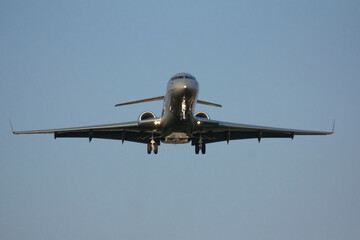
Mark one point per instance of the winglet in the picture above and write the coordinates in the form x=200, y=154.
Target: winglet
x=333, y=129
x=12, y=129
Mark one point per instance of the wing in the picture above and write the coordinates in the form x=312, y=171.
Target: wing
x=127, y=131
x=216, y=131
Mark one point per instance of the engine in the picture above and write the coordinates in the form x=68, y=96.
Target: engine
x=146, y=115
x=202, y=115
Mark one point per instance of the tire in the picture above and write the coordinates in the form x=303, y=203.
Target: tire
x=155, y=148
x=197, y=148
x=203, y=148
x=149, y=148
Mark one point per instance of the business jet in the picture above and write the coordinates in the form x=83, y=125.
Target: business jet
x=177, y=124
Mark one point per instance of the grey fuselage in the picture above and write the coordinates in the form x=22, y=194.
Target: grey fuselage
x=177, y=119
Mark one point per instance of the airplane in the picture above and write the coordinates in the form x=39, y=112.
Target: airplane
x=177, y=124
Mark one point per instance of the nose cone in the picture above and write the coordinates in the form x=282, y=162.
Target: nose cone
x=191, y=85
x=183, y=80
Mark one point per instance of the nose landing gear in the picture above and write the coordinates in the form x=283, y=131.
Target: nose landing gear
x=152, y=146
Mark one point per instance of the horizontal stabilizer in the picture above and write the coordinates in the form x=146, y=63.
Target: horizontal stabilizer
x=209, y=103
x=161, y=98
x=141, y=101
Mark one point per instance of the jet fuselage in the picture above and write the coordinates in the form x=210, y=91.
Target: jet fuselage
x=178, y=111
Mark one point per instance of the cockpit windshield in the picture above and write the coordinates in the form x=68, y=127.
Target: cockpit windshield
x=182, y=76
x=178, y=77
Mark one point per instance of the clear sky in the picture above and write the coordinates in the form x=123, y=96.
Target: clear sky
x=292, y=64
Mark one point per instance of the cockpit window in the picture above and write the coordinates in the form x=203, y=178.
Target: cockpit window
x=177, y=77
x=182, y=77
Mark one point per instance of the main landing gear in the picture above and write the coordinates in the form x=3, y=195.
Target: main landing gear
x=200, y=146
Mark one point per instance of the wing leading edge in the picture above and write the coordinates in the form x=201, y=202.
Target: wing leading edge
x=216, y=131
x=127, y=131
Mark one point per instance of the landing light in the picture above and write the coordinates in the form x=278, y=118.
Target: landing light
x=184, y=86
x=157, y=122
x=198, y=122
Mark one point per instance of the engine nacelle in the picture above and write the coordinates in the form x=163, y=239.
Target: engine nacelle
x=146, y=115
x=202, y=115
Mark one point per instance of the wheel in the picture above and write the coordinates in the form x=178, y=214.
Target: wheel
x=156, y=148
x=149, y=148
x=203, y=148
x=197, y=148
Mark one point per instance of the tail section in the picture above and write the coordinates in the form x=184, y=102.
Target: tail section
x=141, y=101
x=162, y=98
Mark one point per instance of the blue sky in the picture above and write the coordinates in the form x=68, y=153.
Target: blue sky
x=288, y=64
